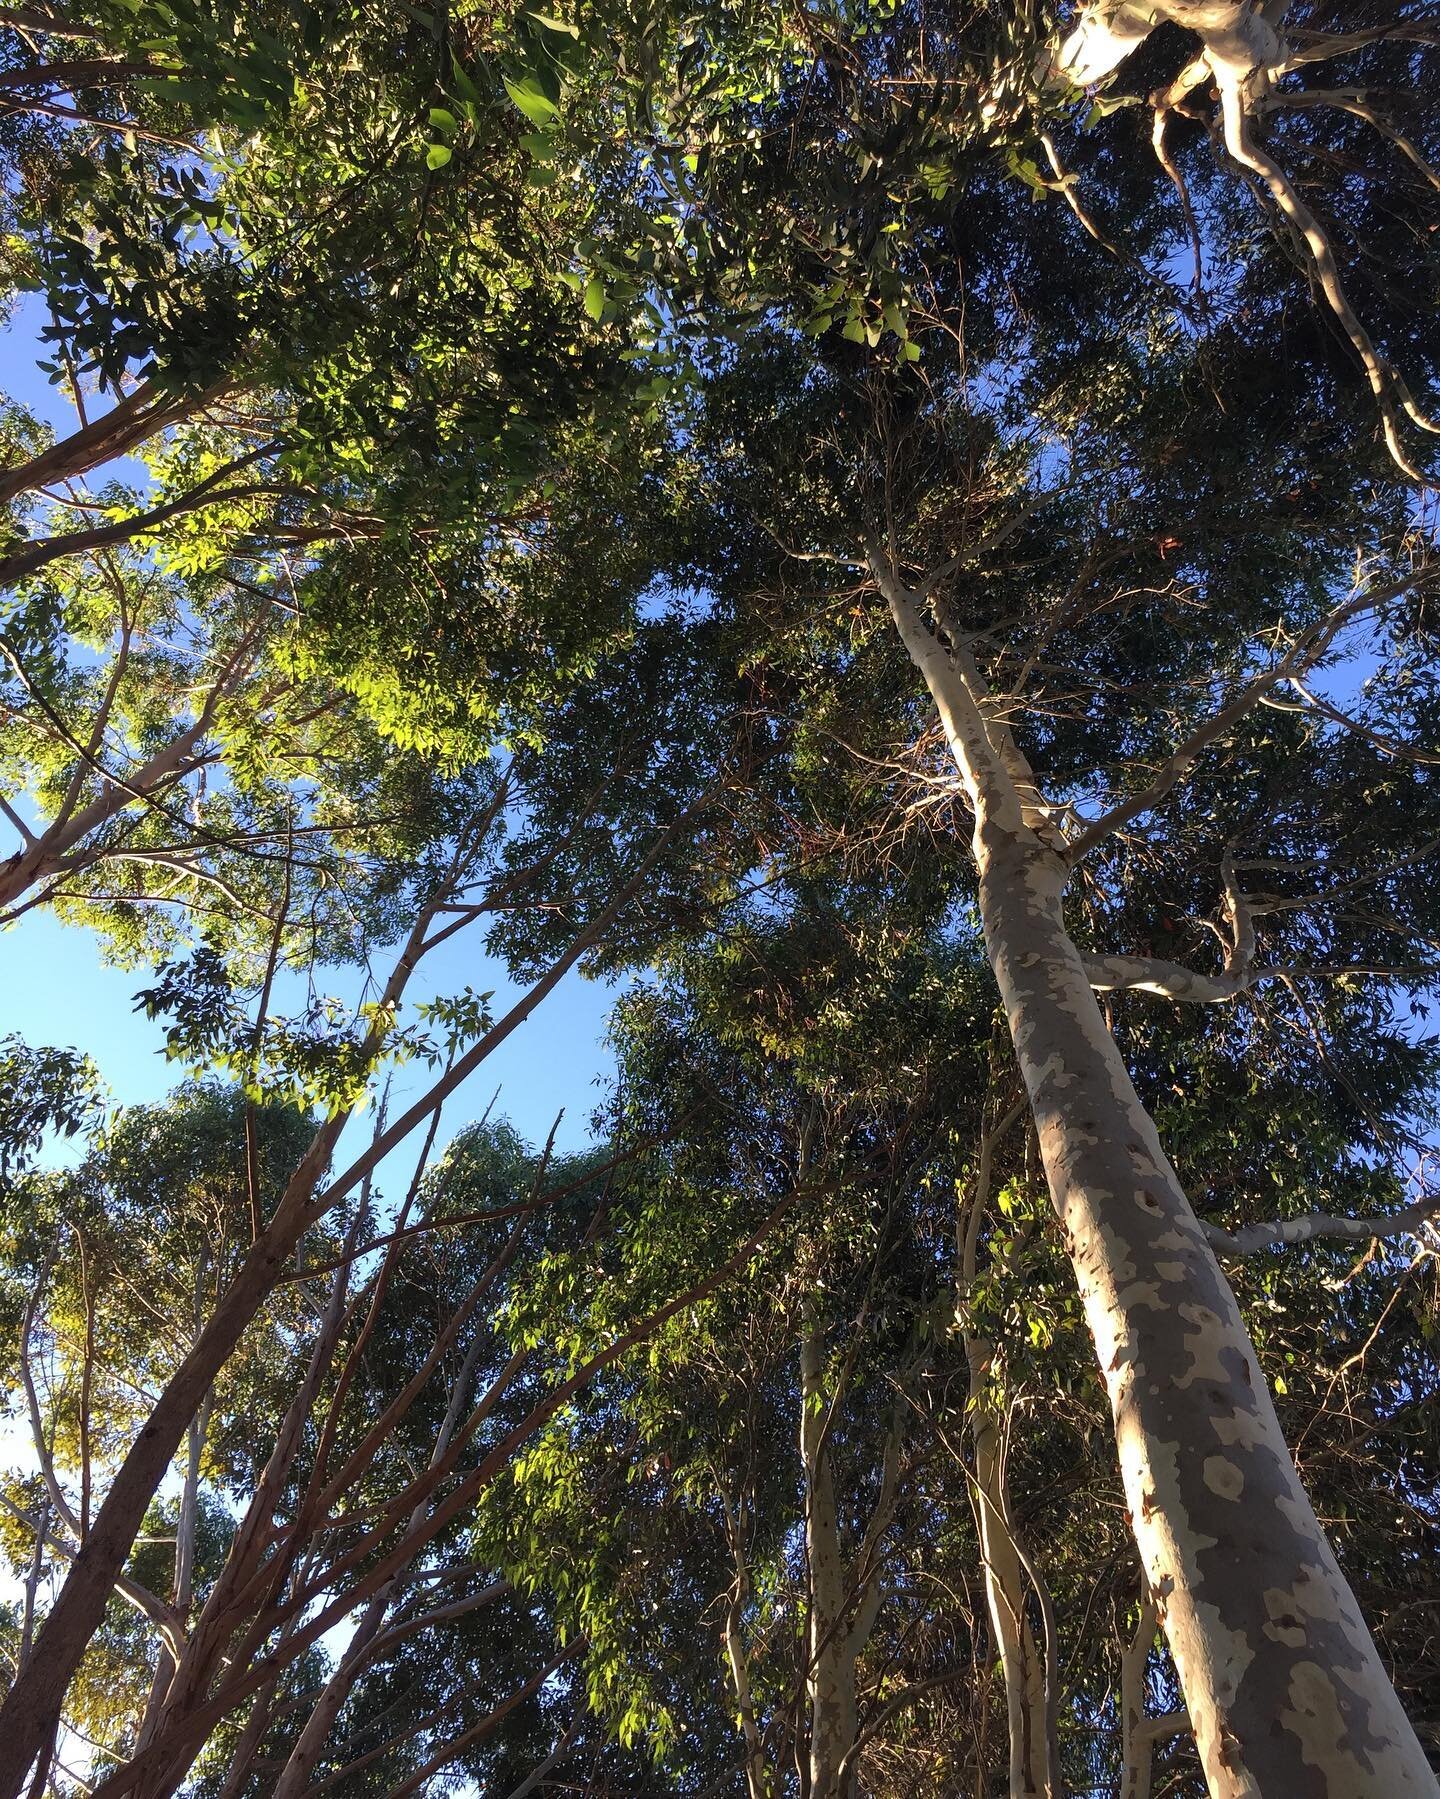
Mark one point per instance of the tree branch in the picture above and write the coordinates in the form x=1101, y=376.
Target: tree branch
x=1325, y=1225
x=1303, y=654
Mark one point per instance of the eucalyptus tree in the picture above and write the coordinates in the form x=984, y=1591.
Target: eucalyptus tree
x=1247, y=62
x=212, y=733
x=707, y=1563
x=373, y=1521
x=1169, y=1336
x=1008, y=1415
x=1109, y=521
x=112, y=1269
x=909, y=488
x=806, y=1494
x=802, y=1038
x=503, y=842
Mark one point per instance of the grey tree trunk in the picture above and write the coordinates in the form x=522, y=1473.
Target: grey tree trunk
x=1022, y=1666
x=1287, y=1695
x=830, y=1656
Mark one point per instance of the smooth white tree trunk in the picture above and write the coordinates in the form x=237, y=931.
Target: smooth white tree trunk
x=1287, y=1695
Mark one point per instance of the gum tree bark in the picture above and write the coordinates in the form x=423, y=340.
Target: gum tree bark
x=1285, y=1688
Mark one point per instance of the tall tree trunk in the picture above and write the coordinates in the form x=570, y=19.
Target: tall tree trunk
x=830, y=1659
x=1030, y=1701
x=1286, y=1691
x=1139, y=1734
x=1022, y=1665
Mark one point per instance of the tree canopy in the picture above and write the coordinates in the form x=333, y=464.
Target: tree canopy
x=902, y=538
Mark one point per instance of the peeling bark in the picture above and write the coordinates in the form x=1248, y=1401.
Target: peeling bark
x=1285, y=1688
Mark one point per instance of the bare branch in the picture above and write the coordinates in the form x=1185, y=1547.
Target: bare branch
x=1408, y=1222
x=1389, y=389
x=1358, y=104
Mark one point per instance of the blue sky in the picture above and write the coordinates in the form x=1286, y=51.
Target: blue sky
x=56, y=989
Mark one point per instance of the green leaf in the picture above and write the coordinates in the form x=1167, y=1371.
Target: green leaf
x=535, y=104
x=551, y=23
x=443, y=120
x=594, y=298
x=437, y=156
x=467, y=88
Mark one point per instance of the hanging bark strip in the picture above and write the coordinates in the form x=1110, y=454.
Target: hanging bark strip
x=1286, y=1691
